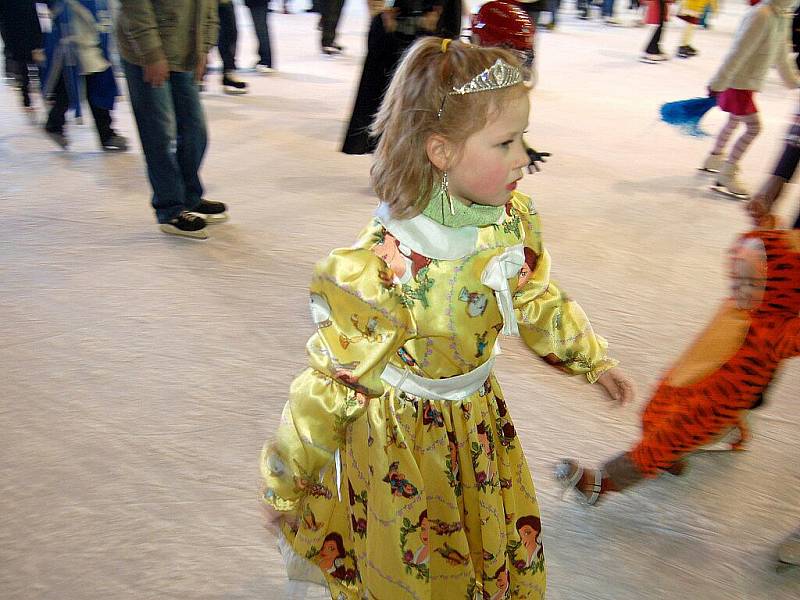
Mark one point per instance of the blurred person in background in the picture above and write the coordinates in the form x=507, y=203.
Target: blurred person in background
x=23, y=43
x=657, y=13
x=226, y=44
x=391, y=31
x=331, y=11
x=259, y=10
x=763, y=201
x=77, y=55
x=761, y=41
x=692, y=11
x=164, y=46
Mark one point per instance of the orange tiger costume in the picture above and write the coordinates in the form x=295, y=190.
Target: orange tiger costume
x=704, y=395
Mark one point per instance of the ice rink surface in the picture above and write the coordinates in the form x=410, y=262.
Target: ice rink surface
x=141, y=372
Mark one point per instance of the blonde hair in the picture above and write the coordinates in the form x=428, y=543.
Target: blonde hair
x=402, y=175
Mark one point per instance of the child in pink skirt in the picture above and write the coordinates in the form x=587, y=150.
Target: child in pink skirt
x=760, y=42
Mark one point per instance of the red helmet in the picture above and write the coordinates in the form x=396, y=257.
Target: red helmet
x=503, y=24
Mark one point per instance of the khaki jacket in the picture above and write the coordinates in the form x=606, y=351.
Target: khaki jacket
x=179, y=31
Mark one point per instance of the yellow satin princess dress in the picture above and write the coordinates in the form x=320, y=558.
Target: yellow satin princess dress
x=396, y=458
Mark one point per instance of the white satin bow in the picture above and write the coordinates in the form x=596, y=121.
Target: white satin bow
x=496, y=275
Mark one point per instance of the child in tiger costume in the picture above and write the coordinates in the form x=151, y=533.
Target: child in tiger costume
x=723, y=375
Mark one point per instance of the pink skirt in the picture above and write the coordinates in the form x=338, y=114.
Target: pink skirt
x=737, y=102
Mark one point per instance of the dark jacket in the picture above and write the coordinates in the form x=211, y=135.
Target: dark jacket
x=20, y=26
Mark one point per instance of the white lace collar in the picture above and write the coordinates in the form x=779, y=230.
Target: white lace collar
x=429, y=238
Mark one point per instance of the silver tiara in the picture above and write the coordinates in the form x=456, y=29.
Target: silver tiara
x=500, y=75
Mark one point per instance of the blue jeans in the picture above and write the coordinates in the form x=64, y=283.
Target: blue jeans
x=608, y=8
x=172, y=129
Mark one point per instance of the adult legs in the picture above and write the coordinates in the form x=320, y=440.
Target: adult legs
x=259, y=15
x=331, y=11
x=192, y=137
x=654, y=47
x=228, y=36
x=155, y=116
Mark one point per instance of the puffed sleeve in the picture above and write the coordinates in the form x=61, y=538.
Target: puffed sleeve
x=551, y=324
x=360, y=325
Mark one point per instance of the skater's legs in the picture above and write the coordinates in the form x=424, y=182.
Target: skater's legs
x=654, y=47
x=102, y=116
x=752, y=129
x=699, y=423
x=688, y=34
x=57, y=116
x=23, y=81
x=725, y=135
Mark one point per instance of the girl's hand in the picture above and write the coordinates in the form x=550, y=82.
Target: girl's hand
x=618, y=386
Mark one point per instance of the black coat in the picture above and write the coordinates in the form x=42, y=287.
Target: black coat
x=19, y=25
x=384, y=51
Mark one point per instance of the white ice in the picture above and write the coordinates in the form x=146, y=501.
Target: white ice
x=141, y=373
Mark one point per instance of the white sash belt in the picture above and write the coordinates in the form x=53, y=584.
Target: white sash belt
x=450, y=388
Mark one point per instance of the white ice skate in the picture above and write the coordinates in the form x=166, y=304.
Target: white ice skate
x=713, y=163
x=732, y=440
x=728, y=183
x=789, y=552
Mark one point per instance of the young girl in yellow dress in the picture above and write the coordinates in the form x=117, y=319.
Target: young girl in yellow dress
x=396, y=470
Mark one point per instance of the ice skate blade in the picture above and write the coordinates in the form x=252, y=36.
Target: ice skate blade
x=214, y=219
x=705, y=170
x=235, y=91
x=783, y=567
x=721, y=189
x=201, y=234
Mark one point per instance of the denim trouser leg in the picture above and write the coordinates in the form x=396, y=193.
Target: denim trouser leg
x=555, y=6
x=259, y=14
x=192, y=135
x=608, y=8
x=154, y=110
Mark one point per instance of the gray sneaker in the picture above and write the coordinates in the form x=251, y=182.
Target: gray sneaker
x=58, y=137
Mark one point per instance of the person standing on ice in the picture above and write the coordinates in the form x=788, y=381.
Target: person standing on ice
x=397, y=441
x=761, y=41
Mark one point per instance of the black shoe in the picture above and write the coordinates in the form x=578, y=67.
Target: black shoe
x=683, y=52
x=232, y=84
x=331, y=51
x=691, y=51
x=115, y=143
x=58, y=137
x=186, y=224
x=211, y=211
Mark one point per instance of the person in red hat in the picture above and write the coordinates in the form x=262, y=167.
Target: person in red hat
x=503, y=24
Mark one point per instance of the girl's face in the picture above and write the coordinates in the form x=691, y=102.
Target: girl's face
x=484, y=440
x=492, y=159
x=425, y=531
x=502, y=581
x=329, y=551
x=528, y=536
